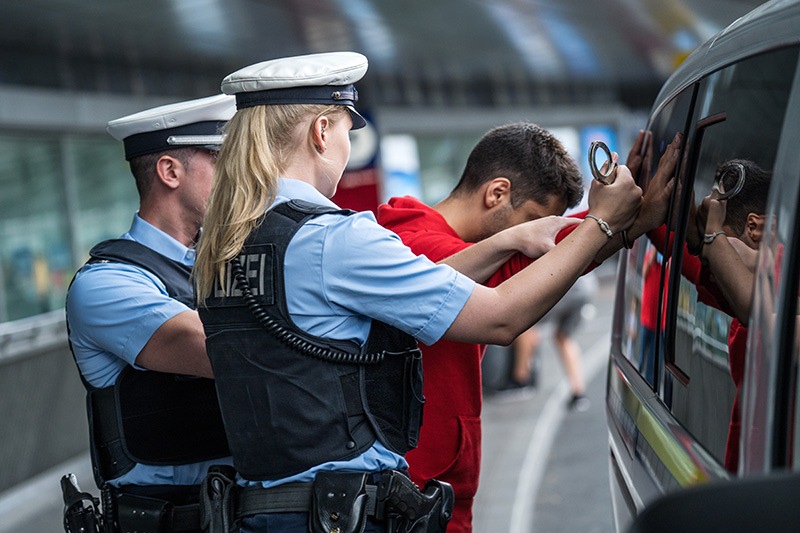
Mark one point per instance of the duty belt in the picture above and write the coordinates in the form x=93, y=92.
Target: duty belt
x=288, y=498
x=334, y=501
x=140, y=513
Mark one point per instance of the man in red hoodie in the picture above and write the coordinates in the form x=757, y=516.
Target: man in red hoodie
x=515, y=174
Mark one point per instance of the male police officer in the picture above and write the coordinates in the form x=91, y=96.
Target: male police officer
x=137, y=340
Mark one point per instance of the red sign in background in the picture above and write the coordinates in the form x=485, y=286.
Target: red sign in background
x=358, y=190
x=360, y=187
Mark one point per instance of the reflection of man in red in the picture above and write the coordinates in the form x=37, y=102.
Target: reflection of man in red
x=727, y=233
x=738, y=223
x=508, y=161
x=651, y=275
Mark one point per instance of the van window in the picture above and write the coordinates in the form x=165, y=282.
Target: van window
x=641, y=337
x=732, y=142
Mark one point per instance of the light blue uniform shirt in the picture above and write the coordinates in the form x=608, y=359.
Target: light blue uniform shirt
x=343, y=271
x=113, y=310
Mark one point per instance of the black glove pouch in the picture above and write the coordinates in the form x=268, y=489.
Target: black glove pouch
x=339, y=503
x=139, y=514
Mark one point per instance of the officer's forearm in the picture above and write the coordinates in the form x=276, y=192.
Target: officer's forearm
x=178, y=346
x=499, y=315
x=482, y=259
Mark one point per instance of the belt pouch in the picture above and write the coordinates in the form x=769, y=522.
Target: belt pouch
x=338, y=503
x=216, y=499
x=138, y=514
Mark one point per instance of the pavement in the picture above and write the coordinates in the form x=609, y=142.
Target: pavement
x=545, y=468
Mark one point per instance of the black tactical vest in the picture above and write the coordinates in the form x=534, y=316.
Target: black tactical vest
x=148, y=417
x=291, y=400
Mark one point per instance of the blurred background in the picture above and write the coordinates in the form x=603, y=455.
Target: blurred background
x=441, y=73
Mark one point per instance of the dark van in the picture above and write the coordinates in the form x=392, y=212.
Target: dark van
x=703, y=373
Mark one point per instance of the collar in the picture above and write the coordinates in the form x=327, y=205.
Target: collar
x=145, y=233
x=291, y=189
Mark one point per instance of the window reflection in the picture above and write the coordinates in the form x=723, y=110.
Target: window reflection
x=648, y=260
x=713, y=299
x=733, y=117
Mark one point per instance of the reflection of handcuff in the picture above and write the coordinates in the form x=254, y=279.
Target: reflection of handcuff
x=606, y=178
x=718, y=191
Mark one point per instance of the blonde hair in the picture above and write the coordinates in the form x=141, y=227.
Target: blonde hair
x=260, y=143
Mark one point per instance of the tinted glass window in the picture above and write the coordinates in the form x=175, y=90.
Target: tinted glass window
x=732, y=144
x=647, y=265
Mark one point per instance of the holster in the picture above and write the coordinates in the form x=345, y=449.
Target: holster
x=334, y=501
x=406, y=509
x=81, y=509
x=217, y=494
x=338, y=503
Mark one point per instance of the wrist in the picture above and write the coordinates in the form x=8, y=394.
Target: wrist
x=507, y=241
x=602, y=224
x=709, y=238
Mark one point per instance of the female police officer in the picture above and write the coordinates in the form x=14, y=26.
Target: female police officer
x=312, y=312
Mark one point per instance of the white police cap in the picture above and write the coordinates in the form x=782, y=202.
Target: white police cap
x=192, y=123
x=325, y=78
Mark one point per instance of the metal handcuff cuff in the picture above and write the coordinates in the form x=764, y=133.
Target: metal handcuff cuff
x=606, y=177
x=718, y=191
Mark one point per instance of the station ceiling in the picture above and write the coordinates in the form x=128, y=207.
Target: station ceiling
x=421, y=52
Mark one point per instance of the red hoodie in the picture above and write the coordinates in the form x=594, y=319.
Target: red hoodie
x=450, y=439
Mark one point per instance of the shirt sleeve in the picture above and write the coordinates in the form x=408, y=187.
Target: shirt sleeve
x=115, y=309
x=369, y=271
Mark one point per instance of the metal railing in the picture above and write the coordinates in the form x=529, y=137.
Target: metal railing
x=29, y=336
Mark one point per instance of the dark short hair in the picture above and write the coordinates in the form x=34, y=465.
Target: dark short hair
x=753, y=196
x=143, y=167
x=534, y=161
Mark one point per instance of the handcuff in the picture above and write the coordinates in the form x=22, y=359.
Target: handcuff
x=606, y=177
x=718, y=191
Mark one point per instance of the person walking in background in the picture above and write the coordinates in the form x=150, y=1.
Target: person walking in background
x=565, y=317
x=651, y=276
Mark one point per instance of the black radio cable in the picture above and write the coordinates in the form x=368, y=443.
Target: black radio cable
x=291, y=339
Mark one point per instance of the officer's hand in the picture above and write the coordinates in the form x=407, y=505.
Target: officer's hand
x=618, y=203
x=537, y=237
x=712, y=214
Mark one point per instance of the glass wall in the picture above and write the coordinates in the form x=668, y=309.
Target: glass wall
x=62, y=193
x=59, y=196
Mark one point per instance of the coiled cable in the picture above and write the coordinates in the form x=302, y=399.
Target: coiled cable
x=109, y=512
x=289, y=338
